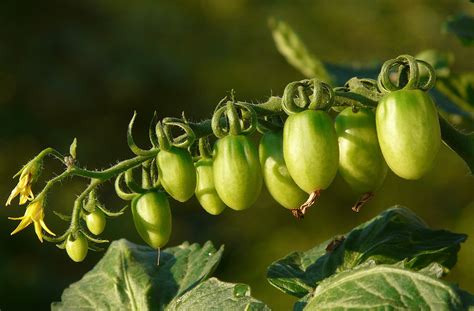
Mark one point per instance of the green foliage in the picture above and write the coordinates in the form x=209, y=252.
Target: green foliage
x=296, y=53
x=459, y=89
x=383, y=240
x=128, y=277
x=382, y=286
x=217, y=295
x=462, y=26
x=392, y=260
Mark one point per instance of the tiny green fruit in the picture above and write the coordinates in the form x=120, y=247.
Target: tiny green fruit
x=96, y=221
x=77, y=247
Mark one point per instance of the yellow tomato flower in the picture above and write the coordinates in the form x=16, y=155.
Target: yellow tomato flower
x=23, y=188
x=34, y=214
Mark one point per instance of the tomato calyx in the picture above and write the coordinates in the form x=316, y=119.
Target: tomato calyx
x=239, y=119
x=407, y=69
x=307, y=94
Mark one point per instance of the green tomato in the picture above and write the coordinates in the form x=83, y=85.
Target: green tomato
x=95, y=221
x=310, y=149
x=205, y=190
x=177, y=173
x=408, y=131
x=361, y=162
x=77, y=248
x=237, y=174
x=275, y=174
x=152, y=217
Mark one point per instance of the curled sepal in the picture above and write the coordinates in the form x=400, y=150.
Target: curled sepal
x=110, y=213
x=217, y=129
x=61, y=245
x=428, y=84
x=131, y=142
x=93, y=239
x=234, y=124
x=93, y=247
x=183, y=141
x=62, y=216
x=151, y=131
x=131, y=183
x=154, y=174
x=120, y=192
x=407, y=75
x=164, y=140
x=307, y=94
x=249, y=118
x=55, y=239
x=204, y=148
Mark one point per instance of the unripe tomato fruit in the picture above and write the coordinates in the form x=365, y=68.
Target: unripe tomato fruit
x=77, y=248
x=361, y=162
x=205, y=189
x=408, y=131
x=275, y=174
x=237, y=174
x=177, y=173
x=152, y=218
x=95, y=221
x=310, y=149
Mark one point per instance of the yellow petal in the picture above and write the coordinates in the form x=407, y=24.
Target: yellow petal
x=38, y=231
x=25, y=222
x=23, y=199
x=16, y=218
x=13, y=194
x=46, y=228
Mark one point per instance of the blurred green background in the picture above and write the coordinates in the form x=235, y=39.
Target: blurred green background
x=79, y=69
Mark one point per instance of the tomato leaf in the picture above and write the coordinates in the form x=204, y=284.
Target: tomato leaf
x=296, y=53
x=384, y=287
x=217, y=295
x=393, y=236
x=462, y=144
x=127, y=277
x=462, y=26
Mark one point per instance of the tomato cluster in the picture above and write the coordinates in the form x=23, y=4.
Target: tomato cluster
x=298, y=156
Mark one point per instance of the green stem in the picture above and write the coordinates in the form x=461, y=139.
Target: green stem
x=114, y=170
x=76, y=212
x=53, y=181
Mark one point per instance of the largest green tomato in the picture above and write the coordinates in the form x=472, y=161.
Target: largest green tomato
x=275, y=173
x=408, y=131
x=177, y=173
x=152, y=218
x=237, y=175
x=361, y=162
x=310, y=149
